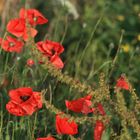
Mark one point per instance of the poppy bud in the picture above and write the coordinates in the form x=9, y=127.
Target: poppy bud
x=30, y=62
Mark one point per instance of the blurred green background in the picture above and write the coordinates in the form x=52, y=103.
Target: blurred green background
x=93, y=33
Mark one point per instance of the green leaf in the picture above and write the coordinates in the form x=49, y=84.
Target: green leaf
x=106, y=134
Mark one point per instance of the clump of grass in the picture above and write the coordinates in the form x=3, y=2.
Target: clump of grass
x=121, y=120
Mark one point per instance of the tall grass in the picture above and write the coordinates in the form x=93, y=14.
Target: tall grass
x=93, y=45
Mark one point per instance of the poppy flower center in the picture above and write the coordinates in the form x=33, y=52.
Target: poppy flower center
x=24, y=98
x=35, y=19
x=11, y=44
x=53, y=51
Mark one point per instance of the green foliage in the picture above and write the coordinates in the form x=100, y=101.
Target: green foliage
x=91, y=43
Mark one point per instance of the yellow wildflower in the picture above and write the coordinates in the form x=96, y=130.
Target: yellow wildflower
x=120, y=17
x=126, y=48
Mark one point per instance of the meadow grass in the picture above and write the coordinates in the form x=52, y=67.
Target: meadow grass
x=93, y=45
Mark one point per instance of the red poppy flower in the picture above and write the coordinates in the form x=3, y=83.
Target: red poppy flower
x=98, y=130
x=29, y=33
x=121, y=83
x=101, y=109
x=33, y=16
x=23, y=101
x=30, y=62
x=80, y=105
x=18, y=28
x=57, y=62
x=52, y=50
x=47, y=138
x=12, y=45
x=65, y=126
